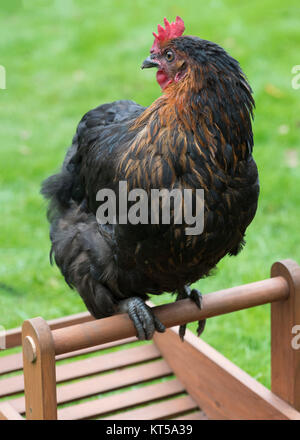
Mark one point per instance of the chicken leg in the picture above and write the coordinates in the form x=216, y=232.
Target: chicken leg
x=196, y=296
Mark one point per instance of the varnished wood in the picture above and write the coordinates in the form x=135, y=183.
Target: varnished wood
x=7, y=412
x=285, y=315
x=39, y=376
x=214, y=384
x=158, y=411
x=9, y=363
x=14, y=362
x=120, y=326
x=220, y=388
x=120, y=401
x=87, y=367
x=13, y=337
x=11, y=385
x=104, y=383
x=196, y=415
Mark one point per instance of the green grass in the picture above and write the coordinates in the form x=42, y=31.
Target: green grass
x=64, y=57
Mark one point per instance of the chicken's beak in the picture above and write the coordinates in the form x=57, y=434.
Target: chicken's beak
x=149, y=62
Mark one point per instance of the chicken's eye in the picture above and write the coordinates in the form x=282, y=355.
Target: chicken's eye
x=169, y=55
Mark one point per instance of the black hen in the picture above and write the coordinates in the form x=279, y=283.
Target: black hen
x=197, y=135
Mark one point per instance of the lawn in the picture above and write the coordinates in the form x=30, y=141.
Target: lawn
x=64, y=57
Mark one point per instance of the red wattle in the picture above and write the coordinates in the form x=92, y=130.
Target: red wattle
x=162, y=79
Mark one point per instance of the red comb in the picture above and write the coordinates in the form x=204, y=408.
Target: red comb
x=172, y=30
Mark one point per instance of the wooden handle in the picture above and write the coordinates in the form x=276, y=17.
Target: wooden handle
x=181, y=312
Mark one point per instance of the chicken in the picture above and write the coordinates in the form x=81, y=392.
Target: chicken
x=196, y=135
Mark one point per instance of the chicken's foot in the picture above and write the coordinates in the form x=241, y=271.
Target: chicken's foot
x=142, y=316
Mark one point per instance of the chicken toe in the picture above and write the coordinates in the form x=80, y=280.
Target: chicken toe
x=195, y=296
x=145, y=322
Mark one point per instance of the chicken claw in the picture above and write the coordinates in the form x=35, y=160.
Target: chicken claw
x=142, y=316
x=195, y=296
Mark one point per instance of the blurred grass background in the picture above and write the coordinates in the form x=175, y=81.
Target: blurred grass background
x=64, y=57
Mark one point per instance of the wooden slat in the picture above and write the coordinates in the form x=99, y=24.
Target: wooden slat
x=12, y=385
x=120, y=401
x=106, y=362
x=157, y=411
x=94, y=348
x=7, y=412
x=14, y=362
x=285, y=316
x=10, y=363
x=197, y=415
x=220, y=388
x=13, y=337
x=86, y=367
x=105, y=383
